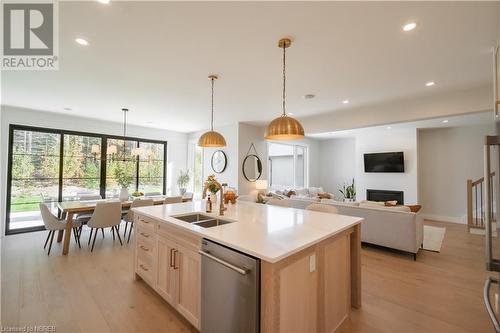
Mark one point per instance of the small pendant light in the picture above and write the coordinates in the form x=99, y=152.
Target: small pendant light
x=212, y=138
x=284, y=127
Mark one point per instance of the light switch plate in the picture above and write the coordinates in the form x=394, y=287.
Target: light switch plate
x=312, y=263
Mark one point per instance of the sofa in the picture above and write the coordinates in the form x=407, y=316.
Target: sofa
x=392, y=227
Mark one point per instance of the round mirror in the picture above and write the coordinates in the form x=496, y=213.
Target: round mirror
x=219, y=161
x=252, y=168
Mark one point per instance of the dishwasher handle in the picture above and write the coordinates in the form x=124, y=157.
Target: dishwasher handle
x=486, y=296
x=242, y=271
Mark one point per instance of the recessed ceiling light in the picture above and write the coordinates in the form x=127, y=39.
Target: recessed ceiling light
x=430, y=83
x=389, y=127
x=104, y=1
x=82, y=41
x=308, y=96
x=409, y=26
x=445, y=121
x=345, y=101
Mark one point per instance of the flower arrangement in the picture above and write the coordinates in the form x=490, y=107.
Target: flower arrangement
x=212, y=184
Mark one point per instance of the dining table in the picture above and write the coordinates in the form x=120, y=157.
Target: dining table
x=70, y=208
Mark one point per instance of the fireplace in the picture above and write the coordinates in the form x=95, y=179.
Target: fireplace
x=384, y=195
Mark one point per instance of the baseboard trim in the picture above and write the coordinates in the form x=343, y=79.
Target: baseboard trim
x=441, y=218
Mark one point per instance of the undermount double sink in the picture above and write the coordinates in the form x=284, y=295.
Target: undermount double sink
x=201, y=220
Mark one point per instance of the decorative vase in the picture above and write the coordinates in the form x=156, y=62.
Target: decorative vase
x=182, y=191
x=124, y=194
x=348, y=200
x=213, y=197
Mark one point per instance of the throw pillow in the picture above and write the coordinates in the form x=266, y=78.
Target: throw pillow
x=324, y=195
x=378, y=203
x=302, y=192
x=414, y=208
x=391, y=203
x=290, y=193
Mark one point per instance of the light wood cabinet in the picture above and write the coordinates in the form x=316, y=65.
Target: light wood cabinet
x=168, y=260
x=165, y=284
x=314, y=289
x=189, y=284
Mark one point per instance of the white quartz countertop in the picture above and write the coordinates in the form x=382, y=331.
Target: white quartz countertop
x=270, y=233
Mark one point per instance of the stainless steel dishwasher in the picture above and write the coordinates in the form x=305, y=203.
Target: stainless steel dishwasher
x=230, y=289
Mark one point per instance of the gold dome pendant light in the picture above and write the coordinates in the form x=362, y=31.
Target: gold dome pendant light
x=212, y=138
x=284, y=127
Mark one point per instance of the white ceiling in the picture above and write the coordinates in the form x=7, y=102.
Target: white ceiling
x=155, y=57
x=472, y=119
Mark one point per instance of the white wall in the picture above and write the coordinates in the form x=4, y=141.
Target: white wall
x=337, y=164
x=247, y=135
x=448, y=157
x=381, y=140
x=230, y=174
x=341, y=159
x=177, y=142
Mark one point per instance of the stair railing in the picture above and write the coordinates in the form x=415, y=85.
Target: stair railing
x=475, y=202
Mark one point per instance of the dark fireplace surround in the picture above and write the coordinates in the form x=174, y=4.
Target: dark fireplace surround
x=384, y=195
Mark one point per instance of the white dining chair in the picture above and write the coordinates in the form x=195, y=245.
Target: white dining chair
x=89, y=197
x=129, y=217
x=107, y=214
x=54, y=224
x=171, y=200
x=278, y=202
x=152, y=194
x=323, y=208
x=84, y=218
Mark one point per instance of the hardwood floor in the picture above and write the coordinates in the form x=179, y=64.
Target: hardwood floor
x=95, y=292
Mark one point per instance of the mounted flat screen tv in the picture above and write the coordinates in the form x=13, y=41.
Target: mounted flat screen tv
x=385, y=162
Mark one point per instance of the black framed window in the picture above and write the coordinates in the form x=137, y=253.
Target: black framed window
x=151, y=175
x=81, y=172
x=51, y=165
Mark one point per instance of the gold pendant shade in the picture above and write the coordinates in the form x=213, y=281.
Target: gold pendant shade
x=212, y=139
x=284, y=127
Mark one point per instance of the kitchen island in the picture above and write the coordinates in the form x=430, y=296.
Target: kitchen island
x=310, y=274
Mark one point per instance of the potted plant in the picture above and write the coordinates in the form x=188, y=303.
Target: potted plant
x=183, y=181
x=349, y=192
x=124, y=179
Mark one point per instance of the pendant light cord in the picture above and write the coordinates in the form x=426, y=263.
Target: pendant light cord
x=124, y=123
x=284, y=79
x=212, y=119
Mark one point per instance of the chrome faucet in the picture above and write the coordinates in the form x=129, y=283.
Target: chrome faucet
x=218, y=186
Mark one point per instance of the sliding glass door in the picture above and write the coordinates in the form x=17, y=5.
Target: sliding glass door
x=34, y=176
x=47, y=166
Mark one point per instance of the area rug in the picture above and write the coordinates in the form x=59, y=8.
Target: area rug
x=433, y=238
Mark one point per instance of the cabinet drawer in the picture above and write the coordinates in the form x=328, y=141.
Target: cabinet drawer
x=145, y=269
x=145, y=222
x=146, y=249
x=145, y=235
